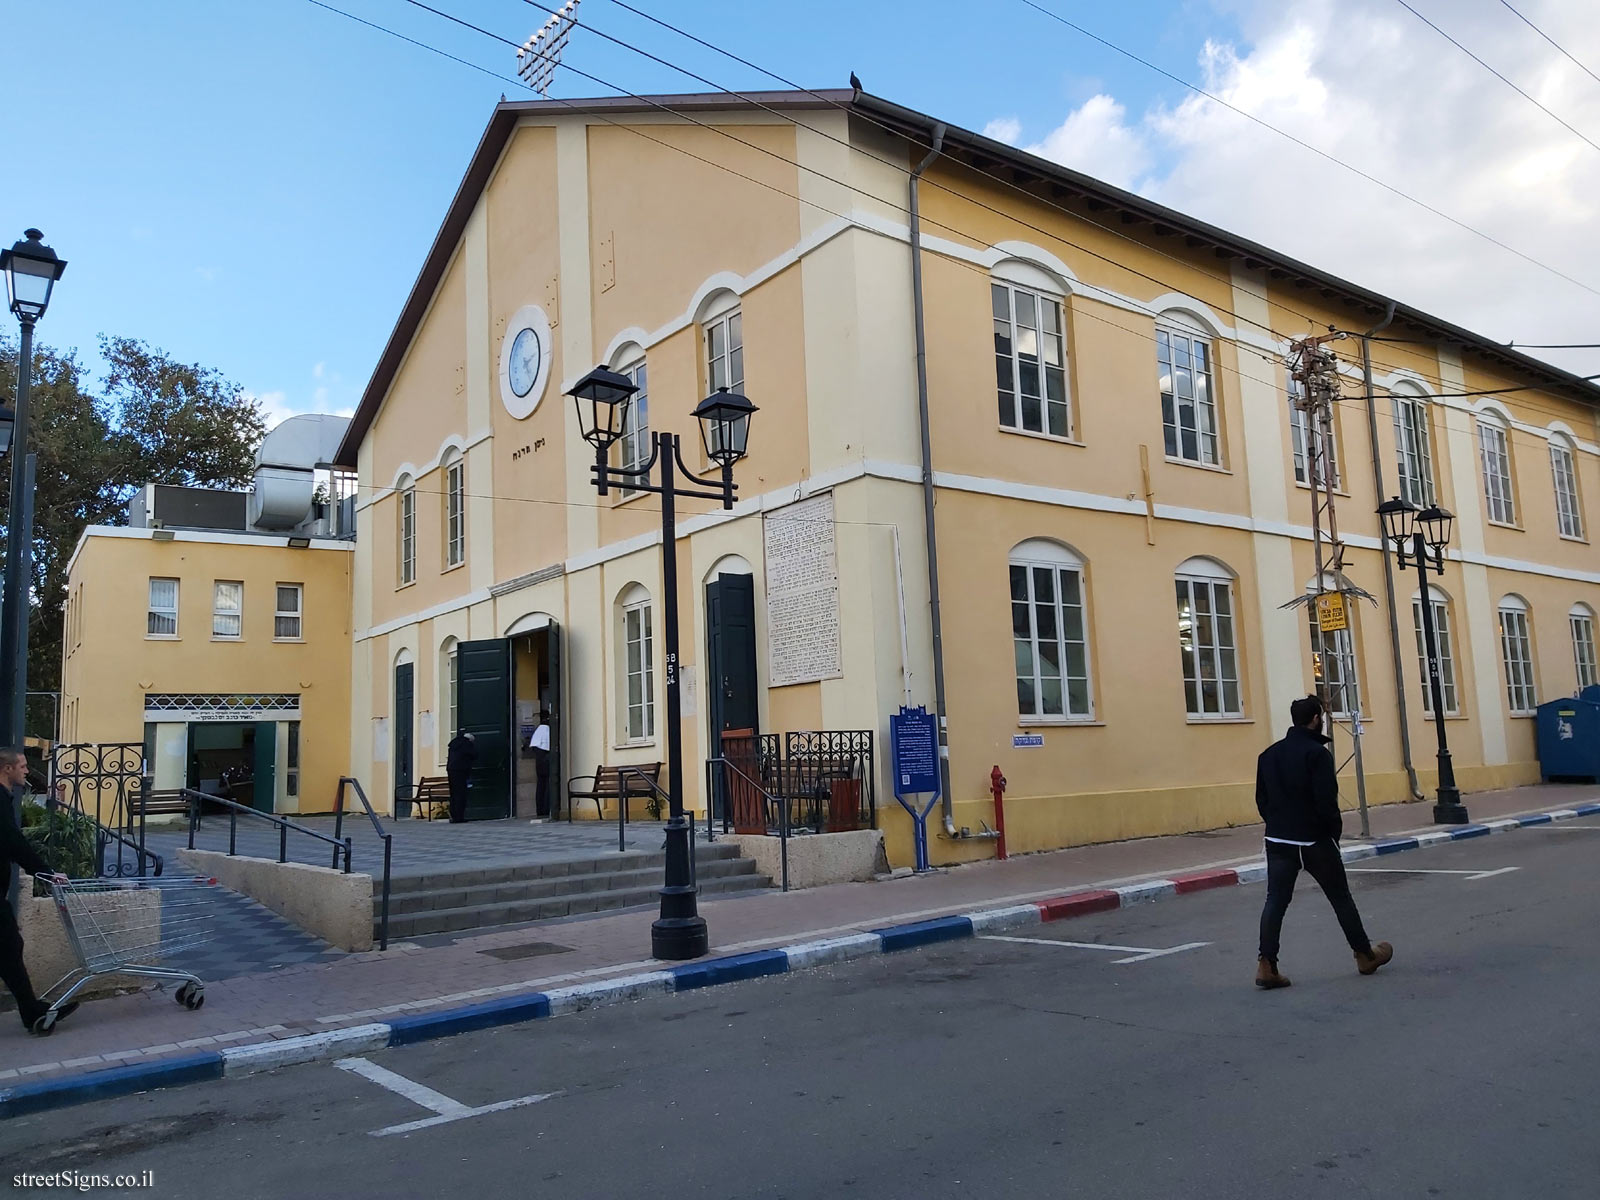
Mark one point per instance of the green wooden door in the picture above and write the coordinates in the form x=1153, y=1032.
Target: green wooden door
x=265, y=767
x=484, y=707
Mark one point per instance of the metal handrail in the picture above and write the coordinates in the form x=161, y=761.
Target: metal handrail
x=770, y=798
x=622, y=814
x=103, y=833
x=388, y=846
x=283, y=823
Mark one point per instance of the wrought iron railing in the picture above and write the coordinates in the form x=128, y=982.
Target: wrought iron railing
x=821, y=782
x=388, y=847
x=98, y=792
x=285, y=826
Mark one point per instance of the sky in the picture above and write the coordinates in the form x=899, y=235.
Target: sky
x=254, y=186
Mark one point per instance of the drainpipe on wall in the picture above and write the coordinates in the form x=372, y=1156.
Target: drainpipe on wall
x=948, y=811
x=1388, y=566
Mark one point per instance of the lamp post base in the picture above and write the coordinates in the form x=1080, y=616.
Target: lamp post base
x=676, y=939
x=1449, y=810
x=679, y=933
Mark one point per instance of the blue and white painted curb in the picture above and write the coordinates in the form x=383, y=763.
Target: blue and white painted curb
x=534, y=1006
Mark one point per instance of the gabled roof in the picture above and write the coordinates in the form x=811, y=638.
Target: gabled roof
x=1049, y=180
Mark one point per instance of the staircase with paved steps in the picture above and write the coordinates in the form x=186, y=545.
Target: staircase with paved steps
x=481, y=898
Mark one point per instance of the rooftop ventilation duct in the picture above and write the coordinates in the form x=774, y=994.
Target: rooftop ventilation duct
x=286, y=467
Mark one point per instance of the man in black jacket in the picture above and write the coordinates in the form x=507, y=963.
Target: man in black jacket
x=14, y=848
x=1297, y=794
x=460, y=756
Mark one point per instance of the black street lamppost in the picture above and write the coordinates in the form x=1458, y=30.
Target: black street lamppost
x=1419, y=539
x=602, y=398
x=31, y=269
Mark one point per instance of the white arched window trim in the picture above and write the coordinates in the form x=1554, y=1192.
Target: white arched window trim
x=636, y=701
x=1564, y=478
x=1204, y=567
x=1444, y=632
x=1585, y=660
x=1208, y=640
x=1413, y=441
x=449, y=693
x=1516, y=654
x=1031, y=275
x=1050, y=633
x=718, y=304
x=1187, y=381
x=406, y=530
x=453, y=467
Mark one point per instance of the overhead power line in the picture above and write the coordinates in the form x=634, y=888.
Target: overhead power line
x=1560, y=120
x=1552, y=41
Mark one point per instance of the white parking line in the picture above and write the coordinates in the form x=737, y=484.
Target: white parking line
x=1135, y=953
x=445, y=1109
x=1432, y=871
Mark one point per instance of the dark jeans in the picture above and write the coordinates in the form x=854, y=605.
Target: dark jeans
x=541, y=771
x=1323, y=863
x=458, y=798
x=12, y=972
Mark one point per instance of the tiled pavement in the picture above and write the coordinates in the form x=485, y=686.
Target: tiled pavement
x=357, y=988
x=246, y=938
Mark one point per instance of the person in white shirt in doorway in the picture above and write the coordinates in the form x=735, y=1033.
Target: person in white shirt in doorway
x=1297, y=794
x=539, y=743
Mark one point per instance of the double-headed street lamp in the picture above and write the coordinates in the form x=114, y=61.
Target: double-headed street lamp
x=602, y=398
x=31, y=269
x=1419, y=539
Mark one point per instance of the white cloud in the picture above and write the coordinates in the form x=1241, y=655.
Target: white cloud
x=1004, y=129
x=1367, y=82
x=274, y=407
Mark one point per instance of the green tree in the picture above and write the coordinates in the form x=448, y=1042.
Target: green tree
x=156, y=421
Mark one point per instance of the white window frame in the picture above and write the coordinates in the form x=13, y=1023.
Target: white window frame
x=1413, y=446
x=724, y=362
x=1177, y=342
x=1057, y=565
x=455, y=512
x=452, y=694
x=408, y=534
x=1580, y=624
x=1494, y=456
x=1304, y=435
x=281, y=614
x=1449, y=687
x=1338, y=651
x=221, y=615
x=1011, y=335
x=1516, y=656
x=155, y=612
x=1196, y=578
x=638, y=699
x=633, y=447
x=1569, y=502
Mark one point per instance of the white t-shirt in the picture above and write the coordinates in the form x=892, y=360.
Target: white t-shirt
x=540, y=739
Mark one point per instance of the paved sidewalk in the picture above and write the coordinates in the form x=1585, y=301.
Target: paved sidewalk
x=361, y=988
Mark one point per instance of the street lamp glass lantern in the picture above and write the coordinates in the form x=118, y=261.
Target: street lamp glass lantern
x=31, y=269
x=1435, y=523
x=602, y=398
x=724, y=418
x=1399, y=520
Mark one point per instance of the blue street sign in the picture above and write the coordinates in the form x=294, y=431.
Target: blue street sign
x=914, y=738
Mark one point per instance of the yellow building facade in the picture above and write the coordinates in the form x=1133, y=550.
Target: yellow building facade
x=1120, y=485
x=219, y=651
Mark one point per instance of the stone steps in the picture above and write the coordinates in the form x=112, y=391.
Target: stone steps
x=455, y=901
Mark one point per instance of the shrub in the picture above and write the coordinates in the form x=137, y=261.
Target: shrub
x=64, y=839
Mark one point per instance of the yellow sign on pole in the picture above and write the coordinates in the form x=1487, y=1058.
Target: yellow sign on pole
x=1330, y=612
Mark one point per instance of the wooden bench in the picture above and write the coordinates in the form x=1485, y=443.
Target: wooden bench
x=614, y=783
x=166, y=802
x=433, y=792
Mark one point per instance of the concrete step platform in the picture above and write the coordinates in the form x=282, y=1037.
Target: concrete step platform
x=468, y=891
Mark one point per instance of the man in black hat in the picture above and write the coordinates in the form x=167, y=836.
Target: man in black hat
x=1297, y=794
x=460, y=755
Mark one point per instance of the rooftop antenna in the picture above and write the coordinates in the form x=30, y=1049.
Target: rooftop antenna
x=540, y=55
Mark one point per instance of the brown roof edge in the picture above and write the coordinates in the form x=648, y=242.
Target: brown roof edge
x=919, y=126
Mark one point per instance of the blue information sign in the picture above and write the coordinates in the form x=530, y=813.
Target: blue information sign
x=914, y=744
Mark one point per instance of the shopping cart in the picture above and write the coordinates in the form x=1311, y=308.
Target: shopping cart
x=127, y=927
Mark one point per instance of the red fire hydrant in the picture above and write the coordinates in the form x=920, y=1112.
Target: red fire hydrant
x=997, y=788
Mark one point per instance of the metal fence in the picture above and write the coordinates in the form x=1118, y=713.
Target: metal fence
x=95, y=806
x=810, y=782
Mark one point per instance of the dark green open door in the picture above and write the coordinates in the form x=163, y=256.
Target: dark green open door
x=558, y=795
x=404, y=708
x=732, y=701
x=265, y=772
x=484, y=708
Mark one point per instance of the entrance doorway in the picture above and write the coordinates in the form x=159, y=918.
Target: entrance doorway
x=732, y=697
x=236, y=760
x=536, y=699
x=404, y=694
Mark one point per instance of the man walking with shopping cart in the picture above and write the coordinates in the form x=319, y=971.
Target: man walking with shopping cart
x=14, y=849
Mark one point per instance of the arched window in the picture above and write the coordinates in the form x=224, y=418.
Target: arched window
x=1333, y=656
x=1439, y=610
x=455, y=509
x=722, y=334
x=1188, y=389
x=1307, y=440
x=1050, y=632
x=633, y=447
x=1564, y=473
x=449, y=693
x=1030, y=350
x=1208, y=640
x=1516, y=653
x=407, y=530
x=636, y=654
x=1494, y=453
x=1413, y=445
x=1580, y=620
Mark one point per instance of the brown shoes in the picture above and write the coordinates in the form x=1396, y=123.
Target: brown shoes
x=1267, y=974
x=1381, y=953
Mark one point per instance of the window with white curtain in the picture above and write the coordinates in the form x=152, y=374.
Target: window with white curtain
x=227, y=609
x=1188, y=391
x=1580, y=622
x=1030, y=360
x=1413, y=448
x=1494, y=451
x=288, y=616
x=1564, y=472
x=1439, y=607
x=1207, y=640
x=1516, y=652
x=1050, y=633
x=162, y=618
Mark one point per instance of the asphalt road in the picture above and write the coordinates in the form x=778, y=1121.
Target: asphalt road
x=986, y=1068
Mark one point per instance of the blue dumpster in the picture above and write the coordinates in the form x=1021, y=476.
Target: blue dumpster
x=1569, y=738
